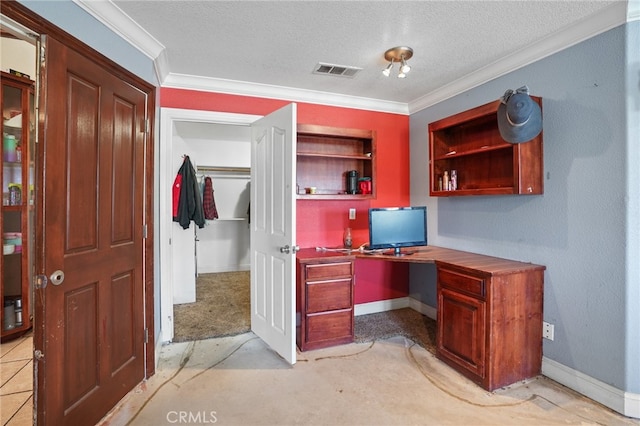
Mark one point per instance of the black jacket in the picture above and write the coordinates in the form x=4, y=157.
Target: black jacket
x=190, y=201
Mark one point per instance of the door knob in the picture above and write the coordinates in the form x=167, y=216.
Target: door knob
x=286, y=249
x=57, y=277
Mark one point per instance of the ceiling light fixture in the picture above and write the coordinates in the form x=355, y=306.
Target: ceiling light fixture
x=399, y=54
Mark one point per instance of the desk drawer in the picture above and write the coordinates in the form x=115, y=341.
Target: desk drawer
x=329, y=295
x=462, y=282
x=329, y=270
x=329, y=326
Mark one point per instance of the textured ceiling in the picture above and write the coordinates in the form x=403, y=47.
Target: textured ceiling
x=278, y=43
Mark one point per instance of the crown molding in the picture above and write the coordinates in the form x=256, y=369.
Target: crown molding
x=161, y=66
x=232, y=87
x=633, y=12
x=120, y=23
x=608, y=18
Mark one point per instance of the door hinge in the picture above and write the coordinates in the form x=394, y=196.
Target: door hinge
x=144, y=231
x=147, y=126
x=146, y=335
x=43, y=56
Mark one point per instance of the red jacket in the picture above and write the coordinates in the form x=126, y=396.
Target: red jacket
x=187, y=202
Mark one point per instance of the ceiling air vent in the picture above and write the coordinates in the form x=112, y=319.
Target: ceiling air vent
x=337, y=70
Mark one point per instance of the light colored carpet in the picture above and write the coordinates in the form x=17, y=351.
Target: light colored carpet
x=400, y=322
x=222, y=308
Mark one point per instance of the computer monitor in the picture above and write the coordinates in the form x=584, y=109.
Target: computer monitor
x=396, y=227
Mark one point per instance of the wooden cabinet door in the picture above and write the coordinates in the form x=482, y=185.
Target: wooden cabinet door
x=461, y=331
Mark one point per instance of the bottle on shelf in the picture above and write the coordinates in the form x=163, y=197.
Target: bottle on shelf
x=9, y=322
x=445, y=181
x=9, y=144
x=15, y=194
x=18, y=312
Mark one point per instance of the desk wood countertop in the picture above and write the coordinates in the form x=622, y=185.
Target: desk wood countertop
x=477, y=263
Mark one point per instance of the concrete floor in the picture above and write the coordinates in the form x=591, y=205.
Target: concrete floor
x=239, y=381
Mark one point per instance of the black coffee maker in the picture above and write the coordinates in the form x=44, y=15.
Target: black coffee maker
x=352, y=182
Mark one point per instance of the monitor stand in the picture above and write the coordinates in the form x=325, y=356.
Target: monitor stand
x=397, y=252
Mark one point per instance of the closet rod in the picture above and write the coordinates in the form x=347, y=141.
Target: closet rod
x=224, y=169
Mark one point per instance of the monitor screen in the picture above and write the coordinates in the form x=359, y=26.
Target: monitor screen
x=396, y=227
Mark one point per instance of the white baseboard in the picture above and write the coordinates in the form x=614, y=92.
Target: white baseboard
x=159, y=342
x=208, y=269
x=391, y=304
x=426, y=310
x=380, y=306
x=625, y=403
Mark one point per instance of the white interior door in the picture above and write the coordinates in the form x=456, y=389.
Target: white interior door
x=273, y=230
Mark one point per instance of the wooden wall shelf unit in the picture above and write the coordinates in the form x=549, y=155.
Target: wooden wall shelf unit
x=325, y=154
x=470, y=143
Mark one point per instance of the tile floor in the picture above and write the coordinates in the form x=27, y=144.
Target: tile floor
x=16, y=381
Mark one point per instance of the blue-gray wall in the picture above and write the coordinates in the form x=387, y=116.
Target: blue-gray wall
x=585, y=227
x=632, y=307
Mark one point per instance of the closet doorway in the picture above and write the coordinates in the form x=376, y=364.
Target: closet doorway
x=210, y=266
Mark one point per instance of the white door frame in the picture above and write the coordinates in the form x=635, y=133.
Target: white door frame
x=164, y=156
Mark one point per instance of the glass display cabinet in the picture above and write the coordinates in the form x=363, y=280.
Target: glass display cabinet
x=17, y=219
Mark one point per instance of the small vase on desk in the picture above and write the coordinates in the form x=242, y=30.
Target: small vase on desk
x=347, y=238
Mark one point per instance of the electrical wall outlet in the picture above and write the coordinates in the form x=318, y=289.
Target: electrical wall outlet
x=352, y=214
x=547, y=330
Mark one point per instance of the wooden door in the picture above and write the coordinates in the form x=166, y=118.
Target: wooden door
x=90, y=327
x=273, y=230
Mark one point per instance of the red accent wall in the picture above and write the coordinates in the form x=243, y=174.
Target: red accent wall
x=322, y=223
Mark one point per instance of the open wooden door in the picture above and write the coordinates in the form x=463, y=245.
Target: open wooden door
x=273, y=230
x=90, y=330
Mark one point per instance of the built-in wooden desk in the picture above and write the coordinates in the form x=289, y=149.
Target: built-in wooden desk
x=489, y=309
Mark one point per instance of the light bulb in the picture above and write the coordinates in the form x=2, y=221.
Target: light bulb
x=387, y=70
x=404, y=68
